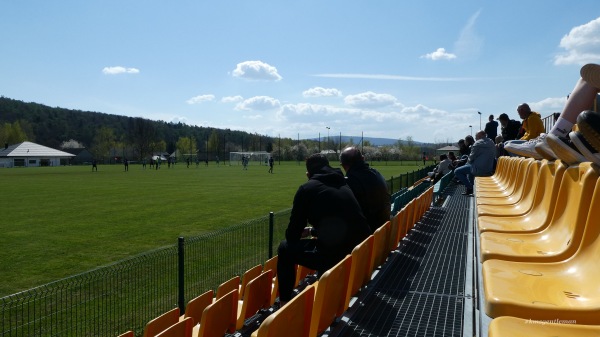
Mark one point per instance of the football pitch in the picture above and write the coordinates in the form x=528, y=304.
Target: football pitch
x=61, y=221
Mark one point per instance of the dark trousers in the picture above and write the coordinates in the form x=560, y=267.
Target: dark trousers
x=305, y=253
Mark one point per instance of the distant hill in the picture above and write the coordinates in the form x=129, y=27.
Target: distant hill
x=373, y=140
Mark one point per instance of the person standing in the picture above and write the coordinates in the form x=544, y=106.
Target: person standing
x=126, y=163
x=94, y=165
x=271, y=164
x=338, y=225
x=369, y=187
x=491, y=128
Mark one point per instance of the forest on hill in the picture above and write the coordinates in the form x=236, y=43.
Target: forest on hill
x=105, y=135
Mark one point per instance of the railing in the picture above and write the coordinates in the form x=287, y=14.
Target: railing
x=407, y=179
x=127, y=294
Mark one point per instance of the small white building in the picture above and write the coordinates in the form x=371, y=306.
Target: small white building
x=28, y=154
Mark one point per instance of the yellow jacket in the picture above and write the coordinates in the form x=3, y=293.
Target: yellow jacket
x=533, y=126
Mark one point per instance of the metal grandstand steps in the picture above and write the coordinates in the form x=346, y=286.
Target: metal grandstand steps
x=422, y=290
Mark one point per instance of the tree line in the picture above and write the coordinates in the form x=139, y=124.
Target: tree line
x=108, y=136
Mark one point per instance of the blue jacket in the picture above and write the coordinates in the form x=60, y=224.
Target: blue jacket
x=482, y=156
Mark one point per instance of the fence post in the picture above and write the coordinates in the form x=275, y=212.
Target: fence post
x=271, y=225
x=181, y=274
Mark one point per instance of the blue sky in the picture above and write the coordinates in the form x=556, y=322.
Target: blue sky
x=386, y=68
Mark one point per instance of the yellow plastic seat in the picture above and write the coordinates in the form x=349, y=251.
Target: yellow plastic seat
x=360, y=273
x=161, y=323
x=271, y=264
x=220, y=317
x=567, y=289
x=291, y=320
x=257, y=296
x=302, y=272
x=499, y=174
x=524, y=191
x=330, y=297
x=512, y=188
x=392, y=242
x=380, y=251
x=400, y=219
x=561, y=238
x=196, y=306
x=179, y=329
x=248, y=276
x=519, y=327
x=481, y=184
x=408, y=218
x=227, y=286
x=506, y=207
x=127, y=334
x=540, y=214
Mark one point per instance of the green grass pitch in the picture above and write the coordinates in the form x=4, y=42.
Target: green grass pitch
x=60, y=221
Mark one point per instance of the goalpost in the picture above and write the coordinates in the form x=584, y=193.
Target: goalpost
x=258, y=157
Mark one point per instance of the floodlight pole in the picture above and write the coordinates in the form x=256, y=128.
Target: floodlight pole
x=479, y=112
x=328, y=139
x=471, y=126
x=319, y=142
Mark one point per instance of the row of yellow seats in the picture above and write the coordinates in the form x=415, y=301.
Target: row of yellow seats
x=235, y=301
x=539, y=231
x=316, y=307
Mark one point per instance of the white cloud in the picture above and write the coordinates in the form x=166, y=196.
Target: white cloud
x=439, y=54
x=253, y=117
x=232, y=99
x=370, y=99
x=200, y=99
x=260, y=103
x=321, y=92
x=256, y=70
x=119, y=70
x=179, y=119
x=581, y=44
x=469, y=43
x=550, y=104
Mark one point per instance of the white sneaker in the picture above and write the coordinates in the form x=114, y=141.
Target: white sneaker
x=526, y=149
x=543, y=149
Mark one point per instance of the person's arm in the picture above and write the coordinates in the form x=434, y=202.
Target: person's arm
x=298, y=217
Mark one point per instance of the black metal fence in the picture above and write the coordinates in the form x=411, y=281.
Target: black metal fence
x=407, y=179
x=127, y=294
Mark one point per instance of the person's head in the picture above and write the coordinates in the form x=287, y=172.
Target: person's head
x=555, y=116
x=524, y=110
x=314, y=163
x=351, y=156
x=470, y=141
x=503, y=118
x=451, y=155
x=491, y=118
x=499, y=139
x=480, y=135
x=443, y=157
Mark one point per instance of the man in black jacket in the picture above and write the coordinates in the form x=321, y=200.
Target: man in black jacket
x=338, y=224
x=510, y=127
x=369, y=187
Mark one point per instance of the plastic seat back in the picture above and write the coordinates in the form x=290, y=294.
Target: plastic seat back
x=330, y=297
x=410, y=209
x=227, y=286
x=291, y=320
x=359, y=270
x=257, y=296
x=271, y=264
x=572, y=206
x=520, y=327
x=380, y=251
x=220, y=317
x=161, y=323
x=302, y=272
x=248, y=276
x=401, y=219
x=179, y=329
x=392, y=242
x=196, y=306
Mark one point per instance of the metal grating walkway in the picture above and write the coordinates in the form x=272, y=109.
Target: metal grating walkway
x=420, y=291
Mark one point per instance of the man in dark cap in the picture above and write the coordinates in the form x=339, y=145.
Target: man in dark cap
x=509, y=127
x=369, y=187
x=338, y=225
